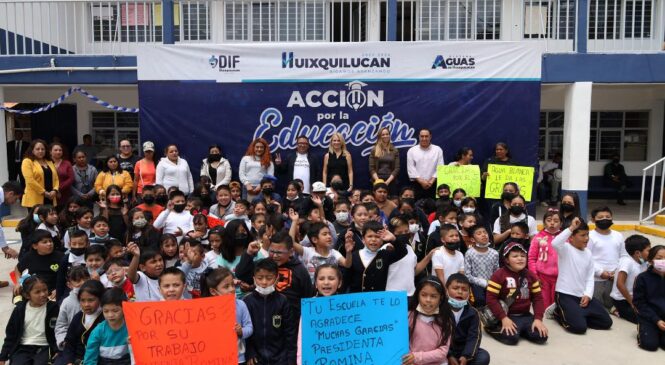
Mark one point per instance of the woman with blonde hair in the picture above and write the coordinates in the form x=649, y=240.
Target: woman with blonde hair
x=338, y=162
x=256, y=164
x=384, y=161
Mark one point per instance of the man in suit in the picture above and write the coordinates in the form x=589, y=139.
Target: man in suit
x=301, y=165
x=15, y=151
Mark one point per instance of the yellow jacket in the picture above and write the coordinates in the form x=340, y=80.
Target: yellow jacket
x=122, y=179
x=34, y=182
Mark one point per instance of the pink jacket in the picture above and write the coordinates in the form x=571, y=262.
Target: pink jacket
x=425, y=343
x=542, y=256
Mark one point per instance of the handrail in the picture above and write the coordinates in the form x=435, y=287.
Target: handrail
x=653, y=170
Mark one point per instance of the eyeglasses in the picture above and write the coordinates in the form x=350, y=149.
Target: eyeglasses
x=277, y=253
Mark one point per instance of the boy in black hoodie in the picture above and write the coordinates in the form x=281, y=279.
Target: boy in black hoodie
x=274, y=340
x=465, y=346
x=292, y=277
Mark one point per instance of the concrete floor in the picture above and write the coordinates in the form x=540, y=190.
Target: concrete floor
x=614, y=347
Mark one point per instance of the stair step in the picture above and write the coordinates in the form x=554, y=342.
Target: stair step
x=659, y=220
x=654, y=230
x=10, y=222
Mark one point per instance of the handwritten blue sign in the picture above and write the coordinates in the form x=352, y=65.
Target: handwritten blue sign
x=363, y=328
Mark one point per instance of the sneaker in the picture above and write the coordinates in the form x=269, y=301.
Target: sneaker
x=550, y=311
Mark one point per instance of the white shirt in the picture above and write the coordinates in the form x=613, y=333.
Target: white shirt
x=530, y=221
x=175, y=174
x=146, y=289
x=312, y=259
x=211, y=258
x=301, y=171
x=606, y=251
x=170, y=221
x=422, y=162
x=66, y=238
x=402, y=272
x=34, y=332
x=449, y=263
x=575, y=267
x=632, y=268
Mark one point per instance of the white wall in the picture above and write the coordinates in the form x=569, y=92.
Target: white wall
x=619, y=97
x=126, y=96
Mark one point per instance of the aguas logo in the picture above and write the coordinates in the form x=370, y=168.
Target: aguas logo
x=225, y=63
x=454, y=62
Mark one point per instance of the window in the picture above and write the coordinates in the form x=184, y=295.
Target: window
x=459, y=19
x=109, y=128
x=273, y=21
x=406, y=21
x=554, y=19
x=616, y=19
x=348, y=21
x=192, y=21
x=622, y=132
x=638, y=19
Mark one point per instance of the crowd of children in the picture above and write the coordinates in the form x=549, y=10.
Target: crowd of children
x=462, y=273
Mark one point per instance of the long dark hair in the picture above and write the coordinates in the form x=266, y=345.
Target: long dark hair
x=211, y=279
x=576, y=201
x=229, y=242
x=29, y=154
x=444, y=319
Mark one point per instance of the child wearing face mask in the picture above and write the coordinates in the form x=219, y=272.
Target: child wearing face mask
x=465, y=221
x=174, y=219
x=520, y=288
x=480, y=262
x=141, y=231
x=606, y=246
x=649, y=300
x=219, y=281
x=430, y=324
x=458, y=196
x=465, y=345
x=75, y=257
x=115, y=210
x=543, y=260
x=342, y=216
x=448, y=259
x=629, y=267
x=274, y=338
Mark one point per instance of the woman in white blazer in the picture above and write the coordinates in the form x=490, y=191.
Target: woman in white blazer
x=216, y=168
x=174, y=171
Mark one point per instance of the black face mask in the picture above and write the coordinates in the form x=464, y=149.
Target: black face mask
x=516, y=210
x=214, y=157
x=77, y=251
x=507, y=196
x=161, y=199
x=241, y=240
x=267, y=191
x=149, y=199
x=179, y=208
x=444, y=197
x=567, y=208
x=452, y=246
x=604, y=223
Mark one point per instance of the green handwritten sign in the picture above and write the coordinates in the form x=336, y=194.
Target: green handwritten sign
x=501, y=174
x=466, y=177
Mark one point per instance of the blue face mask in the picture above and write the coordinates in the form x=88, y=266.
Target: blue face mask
x=35, y=218
x=457, y=304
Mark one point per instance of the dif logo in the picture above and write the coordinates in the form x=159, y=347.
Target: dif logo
x=225, y=63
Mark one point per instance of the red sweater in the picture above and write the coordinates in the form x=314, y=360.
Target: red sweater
x=504, y=282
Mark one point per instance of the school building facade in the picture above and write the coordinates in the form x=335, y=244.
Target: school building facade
x=603, y=71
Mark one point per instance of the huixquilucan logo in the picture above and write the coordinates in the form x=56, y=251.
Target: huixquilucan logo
x=454, y=62
x=365, y=62
x=333, y=115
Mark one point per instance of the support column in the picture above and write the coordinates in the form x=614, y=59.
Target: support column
x=392, y=20
x=581, y=32
x=168, y=24
x=4, y=166
x=576, y=136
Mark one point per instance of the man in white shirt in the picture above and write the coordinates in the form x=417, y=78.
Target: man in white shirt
x=302, y=165
x=421, y=163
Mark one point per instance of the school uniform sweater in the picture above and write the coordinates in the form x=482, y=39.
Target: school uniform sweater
x=424, y=342
x=503, y=284
x=77, y=337
x=374, y=275
x=107, y=344
x=16, y=326
x=649, y=296
x=575, y=267
x=467, y=334
x=273, y=340
x=68, y=309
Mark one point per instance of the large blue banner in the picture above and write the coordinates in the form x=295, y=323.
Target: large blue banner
x=180, y=106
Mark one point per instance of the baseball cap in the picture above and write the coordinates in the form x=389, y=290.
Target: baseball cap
x=148, y=146
x=318, y=187
x=513, y=246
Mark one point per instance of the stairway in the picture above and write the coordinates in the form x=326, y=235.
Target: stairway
x=655, y=229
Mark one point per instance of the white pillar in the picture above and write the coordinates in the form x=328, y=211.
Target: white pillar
x=4, y=172
x=576, y=136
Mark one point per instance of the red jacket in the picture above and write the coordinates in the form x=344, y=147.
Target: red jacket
x=504, y=282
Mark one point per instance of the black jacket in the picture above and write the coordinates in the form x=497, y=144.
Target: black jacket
x=467, y=335
x=649, y=296
x=77, y=339
x=374, y=277
x=15, y=327
x=286, y=167
x=274, y=341
x=292, y=280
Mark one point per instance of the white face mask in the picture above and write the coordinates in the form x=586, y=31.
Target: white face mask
x=420, y=309
x=414, y=228
x=457, y=202
x=342, y=217
x=265, y=291
x=468, y=210
x=480, y=245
